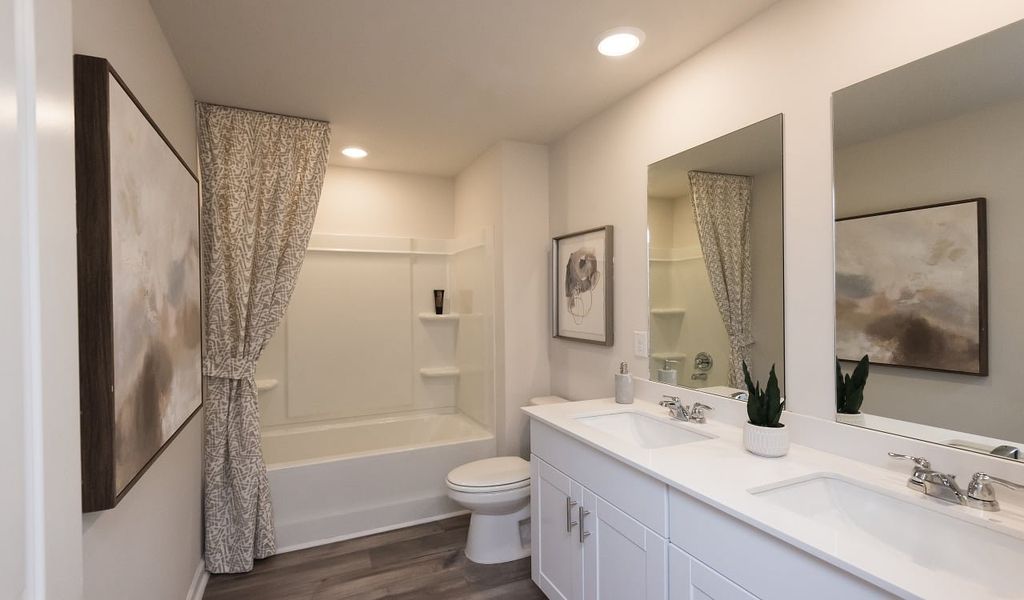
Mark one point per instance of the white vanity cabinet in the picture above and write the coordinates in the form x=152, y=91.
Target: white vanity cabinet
x=603, y=530
x=557, y=551
x=586, y=549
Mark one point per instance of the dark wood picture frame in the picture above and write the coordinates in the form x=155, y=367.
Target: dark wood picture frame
x=92, y=77
x=609, y=288
x=983, y=366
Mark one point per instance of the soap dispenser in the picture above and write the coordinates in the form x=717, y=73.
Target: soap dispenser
x=669, y=374
x=624, y=385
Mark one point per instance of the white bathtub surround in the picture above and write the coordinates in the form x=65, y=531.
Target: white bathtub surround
x=497, y=491
x=344, y=480
x=716, y=481
x=770, y=442
x=362, y=313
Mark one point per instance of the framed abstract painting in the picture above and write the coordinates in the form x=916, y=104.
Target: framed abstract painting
x=581, y=286
x=139, y=286
x=912, y=287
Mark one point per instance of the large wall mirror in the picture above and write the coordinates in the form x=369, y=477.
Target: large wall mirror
x=929, y=202
x=714, y=223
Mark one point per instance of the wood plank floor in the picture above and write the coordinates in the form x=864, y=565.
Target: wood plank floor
x=421, y=562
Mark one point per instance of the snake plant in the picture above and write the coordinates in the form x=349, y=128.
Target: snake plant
x=764, y=407
x=850, y=388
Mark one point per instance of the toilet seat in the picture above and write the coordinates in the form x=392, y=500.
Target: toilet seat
x=490, y=475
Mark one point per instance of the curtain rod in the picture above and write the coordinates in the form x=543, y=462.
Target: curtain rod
x=266, y=112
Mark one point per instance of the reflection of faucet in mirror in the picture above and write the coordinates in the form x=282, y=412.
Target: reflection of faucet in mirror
x=702, y=363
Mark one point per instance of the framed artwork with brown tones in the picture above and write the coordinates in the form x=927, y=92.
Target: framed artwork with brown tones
x=911, y=287
x=139, y=286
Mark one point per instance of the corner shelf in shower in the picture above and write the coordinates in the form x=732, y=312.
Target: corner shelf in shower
x=439, y=372
x=668, y=311
x=434, y=317
x=265, y=385
x=667, y=355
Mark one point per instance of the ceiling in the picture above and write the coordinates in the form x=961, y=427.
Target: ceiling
x=750, y=151
x=427, y=85
x=981, y=72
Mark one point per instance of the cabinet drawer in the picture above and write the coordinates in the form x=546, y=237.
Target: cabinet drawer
x=638, y=495
x=690, y=579
x=769, y=567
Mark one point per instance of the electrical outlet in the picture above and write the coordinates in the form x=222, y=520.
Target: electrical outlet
x=641, y=347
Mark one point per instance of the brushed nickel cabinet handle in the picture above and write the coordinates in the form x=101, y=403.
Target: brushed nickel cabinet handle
x=583, y=533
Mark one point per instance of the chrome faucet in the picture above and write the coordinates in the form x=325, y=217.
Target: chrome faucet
x=681, y=412
x=980, y=493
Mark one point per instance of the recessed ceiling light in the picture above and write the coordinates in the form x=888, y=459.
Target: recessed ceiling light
x=620, y=41
x=354, y=152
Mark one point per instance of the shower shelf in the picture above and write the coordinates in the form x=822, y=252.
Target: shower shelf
x=436, y=372
x=667, y=355
x=265, y=385
x=668, y=311
x=434, y=317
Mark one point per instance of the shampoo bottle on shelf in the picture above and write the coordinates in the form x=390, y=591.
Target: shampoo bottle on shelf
x=624, y=385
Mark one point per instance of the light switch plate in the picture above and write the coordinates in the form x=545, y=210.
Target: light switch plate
x=641, y=347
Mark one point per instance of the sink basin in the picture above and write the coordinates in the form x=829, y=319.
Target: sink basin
x=643, y=430
x=860, y=517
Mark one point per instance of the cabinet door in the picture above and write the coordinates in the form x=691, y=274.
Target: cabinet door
x=557, y=552
x=621, y=557
x=690, y=579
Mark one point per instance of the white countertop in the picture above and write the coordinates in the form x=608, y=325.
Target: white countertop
x=721, y=473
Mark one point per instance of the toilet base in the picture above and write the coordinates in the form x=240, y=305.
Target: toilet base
x=495, y=538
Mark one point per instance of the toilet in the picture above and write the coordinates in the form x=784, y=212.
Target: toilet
x=497, y=493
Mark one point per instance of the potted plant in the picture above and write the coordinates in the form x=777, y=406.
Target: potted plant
x=850, y=392
x=763, y=435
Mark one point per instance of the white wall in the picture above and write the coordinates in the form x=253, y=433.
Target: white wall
x=367, y=202
x=974, y=155
x=150, y=545
x=39, y=439
x=525, y=250
x=787, y=60
x=505, y=189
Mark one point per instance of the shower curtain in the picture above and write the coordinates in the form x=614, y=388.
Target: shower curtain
x=261, y=178
x=721, y=209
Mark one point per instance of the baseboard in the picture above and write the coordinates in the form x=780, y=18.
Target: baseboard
x=359, y=534
x=199, y=580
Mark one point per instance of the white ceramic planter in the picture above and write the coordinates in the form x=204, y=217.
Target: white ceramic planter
x=855, y=419
x=766, y=441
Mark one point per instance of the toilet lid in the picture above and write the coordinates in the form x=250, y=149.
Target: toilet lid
x=501, y=471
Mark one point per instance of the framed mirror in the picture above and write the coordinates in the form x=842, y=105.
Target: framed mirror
x=714, y=231
x=929, y=205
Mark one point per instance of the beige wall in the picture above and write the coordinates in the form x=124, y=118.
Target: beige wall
x=150, y=545
x=787, y=60
x=975, y=155
x=766, y=265
x=505, y=189
x=368, y=202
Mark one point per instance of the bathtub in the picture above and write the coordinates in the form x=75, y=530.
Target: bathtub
x=334, y=482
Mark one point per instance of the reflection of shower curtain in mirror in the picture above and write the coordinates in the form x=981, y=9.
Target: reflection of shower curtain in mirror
x=721, y=208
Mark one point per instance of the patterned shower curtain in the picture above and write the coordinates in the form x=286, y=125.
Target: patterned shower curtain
x=261, y=177
x=721, y=209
